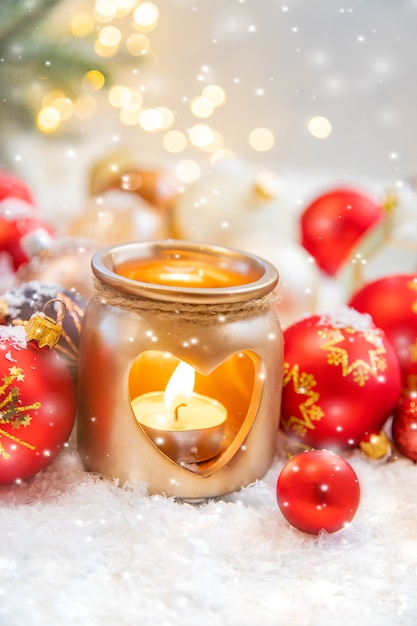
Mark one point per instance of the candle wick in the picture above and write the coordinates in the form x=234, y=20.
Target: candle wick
x=176, y=411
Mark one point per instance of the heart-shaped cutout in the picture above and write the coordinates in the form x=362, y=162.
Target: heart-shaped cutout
x=175, y=421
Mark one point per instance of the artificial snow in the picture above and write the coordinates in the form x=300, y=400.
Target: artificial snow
x=348, y=317
x=14, y=335
x=80, y=549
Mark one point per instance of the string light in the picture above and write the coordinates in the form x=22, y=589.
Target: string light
x=112, y=22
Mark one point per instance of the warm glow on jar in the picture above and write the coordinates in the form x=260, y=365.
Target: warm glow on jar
x=183, y=272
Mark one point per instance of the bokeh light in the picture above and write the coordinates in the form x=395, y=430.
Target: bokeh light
x=146, y=16
x=137, y=44
x=187, y=171
x=319, y=126
x=48, y=119
x=201, y=135
x=202, y=107
x=261, y=139
x=215, y=94
x=174, y=141
x=82, y=24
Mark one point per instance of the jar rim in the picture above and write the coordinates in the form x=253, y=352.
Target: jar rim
x=105, y=262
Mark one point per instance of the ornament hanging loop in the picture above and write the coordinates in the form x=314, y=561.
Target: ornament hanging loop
x=60, y=313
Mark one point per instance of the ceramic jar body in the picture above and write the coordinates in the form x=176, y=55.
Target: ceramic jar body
x=125, y=353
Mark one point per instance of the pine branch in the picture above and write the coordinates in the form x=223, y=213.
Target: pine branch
x=15, y=16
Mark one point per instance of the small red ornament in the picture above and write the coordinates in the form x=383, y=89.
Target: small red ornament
x=392, y=303
x=333, y=223
x=404, y=427
x=11, y=186
x=318, y=490
x=37, y=399
x=15, y=224
x=341, y=380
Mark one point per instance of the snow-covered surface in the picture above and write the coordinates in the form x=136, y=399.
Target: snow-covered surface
x=77, y=549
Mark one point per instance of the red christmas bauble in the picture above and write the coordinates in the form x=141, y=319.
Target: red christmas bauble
x=341, y=380
x=333, y=223
x=318, y=490
x=15, y=224
x=392, y=303
x=404, y=427
x=37, y=400
x=20, y=303
x=11, y=186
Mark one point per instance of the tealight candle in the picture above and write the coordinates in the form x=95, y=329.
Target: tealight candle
x=186, y=426
x=191, y=433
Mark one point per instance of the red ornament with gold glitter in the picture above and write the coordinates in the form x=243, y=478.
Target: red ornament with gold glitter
x=341, y=381
x=404, y=427
x=19, y=304
x=37, y=399
x=334, y=222
x=392, y=303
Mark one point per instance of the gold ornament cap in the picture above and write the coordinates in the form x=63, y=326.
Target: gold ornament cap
x=43, y=329
x=377, y=447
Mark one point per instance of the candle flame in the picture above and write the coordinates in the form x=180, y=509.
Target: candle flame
x=180, y=385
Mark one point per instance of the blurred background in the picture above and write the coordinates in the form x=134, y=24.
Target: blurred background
x=318, y=92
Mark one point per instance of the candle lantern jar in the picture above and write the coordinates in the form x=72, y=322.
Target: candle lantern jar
x=167, y=306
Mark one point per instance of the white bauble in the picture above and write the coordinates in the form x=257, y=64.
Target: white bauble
x=117, y=217
x=232, y=199
x=299, y=277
